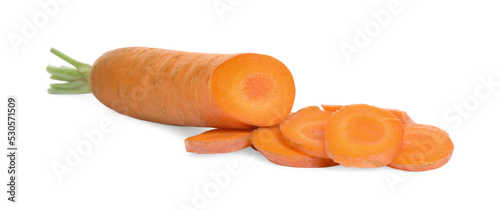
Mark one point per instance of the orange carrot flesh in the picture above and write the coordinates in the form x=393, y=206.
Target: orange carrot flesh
x=331, y=108
x=363, y=136
x=425, y=147
x=218, y=141
x=237, y=91
x=270, y=142
x=305, y=131
x=254, y=89
x=402, y=115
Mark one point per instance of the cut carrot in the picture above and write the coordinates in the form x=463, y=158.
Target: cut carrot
x=239, y=91
x=402, y=115
x=331, y=108
x=253, y=147
x=305, y=131
x=363, y=136
x=247, y=91
x=218, y=141
x=270, y=142
x=425, y=147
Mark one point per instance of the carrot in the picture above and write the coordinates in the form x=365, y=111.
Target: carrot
x=305, y=131
x=270, y=142
x=402, y=115
x=331, y=108
x=425, y=147
x=239, y=91
x=218, y=141
x=363, y=136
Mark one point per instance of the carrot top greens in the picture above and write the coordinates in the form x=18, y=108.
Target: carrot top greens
x=76, y=78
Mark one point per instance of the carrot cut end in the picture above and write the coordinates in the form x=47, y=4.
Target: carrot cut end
x=254, y=89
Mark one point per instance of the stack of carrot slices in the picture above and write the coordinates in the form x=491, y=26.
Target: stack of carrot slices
x=356, y=135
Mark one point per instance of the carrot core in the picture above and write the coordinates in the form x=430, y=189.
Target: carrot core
x=258, y=88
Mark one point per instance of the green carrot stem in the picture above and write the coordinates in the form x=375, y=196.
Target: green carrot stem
x=76, y=78
x=68, y=85
x=79, y=90
x=66, y=73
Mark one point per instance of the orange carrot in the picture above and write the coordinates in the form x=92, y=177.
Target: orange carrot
x=331, y=108
x=363, y=136
x=239, y=91
x=402, y=115
x=425, y=147
x=270, y=142
x=253, y=147
x=218, y=141
x=305, y=131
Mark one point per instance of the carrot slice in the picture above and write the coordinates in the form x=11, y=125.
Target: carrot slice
x=270, y=142
x=402, y=115
x=331, y=108
x=305, y=131
x=363, y=136
x=425, y=147
x=218, y=141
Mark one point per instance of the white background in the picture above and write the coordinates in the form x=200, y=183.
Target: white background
x=428, y=59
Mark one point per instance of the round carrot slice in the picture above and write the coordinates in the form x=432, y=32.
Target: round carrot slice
x=363, y=136
x=425, y=147
x=270, y=142
x=402, y=115
x=218, y=141
x=305, y=131
x=331, y=108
